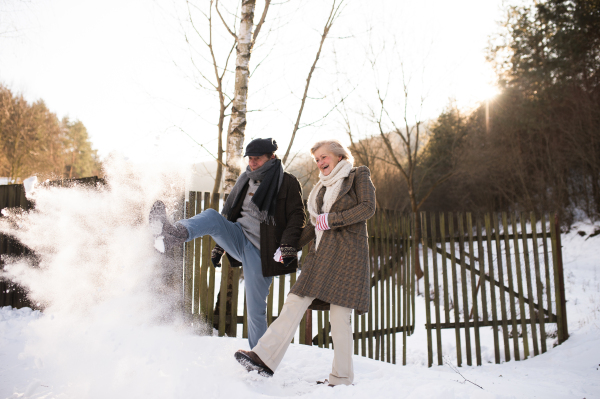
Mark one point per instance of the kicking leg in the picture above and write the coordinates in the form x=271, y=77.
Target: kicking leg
x=227, y=234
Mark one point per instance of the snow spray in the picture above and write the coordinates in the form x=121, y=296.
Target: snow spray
x=107, y=295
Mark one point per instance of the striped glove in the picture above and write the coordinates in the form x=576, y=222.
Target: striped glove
x=322, y=223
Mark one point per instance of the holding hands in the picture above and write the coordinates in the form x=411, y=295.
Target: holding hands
x=285, y=254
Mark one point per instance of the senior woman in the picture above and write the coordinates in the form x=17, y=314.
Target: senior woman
x=335, y=275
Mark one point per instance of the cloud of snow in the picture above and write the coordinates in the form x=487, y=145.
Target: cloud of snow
x=30, y=184
x=103, y=287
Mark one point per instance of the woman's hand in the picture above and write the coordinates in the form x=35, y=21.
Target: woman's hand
x=322, y=223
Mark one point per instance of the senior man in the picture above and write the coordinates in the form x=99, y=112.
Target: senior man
x=259, y=228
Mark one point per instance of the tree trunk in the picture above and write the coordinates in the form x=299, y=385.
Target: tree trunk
x=415, y=210
x=237, y=122
x=219, y=174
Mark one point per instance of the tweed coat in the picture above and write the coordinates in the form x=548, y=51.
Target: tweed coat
x=338, y=271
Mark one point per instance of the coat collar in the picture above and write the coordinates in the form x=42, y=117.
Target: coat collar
x=346, y=186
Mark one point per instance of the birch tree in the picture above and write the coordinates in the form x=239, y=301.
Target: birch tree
x=245, y=40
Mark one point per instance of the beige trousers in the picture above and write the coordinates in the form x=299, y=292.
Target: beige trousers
x=274, y=343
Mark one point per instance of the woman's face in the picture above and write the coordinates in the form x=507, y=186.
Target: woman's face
x=326, y=160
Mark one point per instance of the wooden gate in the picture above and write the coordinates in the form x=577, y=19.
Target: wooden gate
x=493, y=273
x=215, y=297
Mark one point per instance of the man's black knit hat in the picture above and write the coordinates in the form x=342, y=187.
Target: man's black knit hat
x=258, y=147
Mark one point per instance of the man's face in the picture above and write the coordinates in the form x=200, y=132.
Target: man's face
x=256, y=162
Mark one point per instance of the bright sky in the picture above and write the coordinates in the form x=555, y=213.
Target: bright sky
x=124, y=69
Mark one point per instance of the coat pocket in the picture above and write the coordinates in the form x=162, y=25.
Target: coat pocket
x=358, y=228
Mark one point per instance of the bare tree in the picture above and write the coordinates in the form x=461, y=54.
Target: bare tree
x=402, y=135
x=216, y=83
x=336, y=8
x=406, y=158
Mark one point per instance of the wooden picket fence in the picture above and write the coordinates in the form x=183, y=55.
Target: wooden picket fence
x=509, y=279
x=212, y=297
x=486, y=273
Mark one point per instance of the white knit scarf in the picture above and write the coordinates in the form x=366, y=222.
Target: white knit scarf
x=333, y=181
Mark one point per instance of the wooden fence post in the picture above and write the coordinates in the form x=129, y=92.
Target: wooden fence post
x=197, y=250
x=538, y=282
x=488, y=233
x=308, y=328
x=426, y=290
x=559, y=281
x=437, y=290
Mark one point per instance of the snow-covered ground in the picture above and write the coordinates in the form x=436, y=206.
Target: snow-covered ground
x=108, y=331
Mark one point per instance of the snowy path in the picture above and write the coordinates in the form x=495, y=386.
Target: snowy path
x=158, y=362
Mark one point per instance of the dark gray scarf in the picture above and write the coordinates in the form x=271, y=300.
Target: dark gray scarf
x=263, y=202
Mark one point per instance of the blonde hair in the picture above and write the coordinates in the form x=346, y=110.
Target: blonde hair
x=335, y=147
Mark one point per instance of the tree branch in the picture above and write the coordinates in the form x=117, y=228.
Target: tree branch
x=437, y=183
x=225, y=23
x=388, y=145
x=333, y=14
x=260, y=23
x=202, y=145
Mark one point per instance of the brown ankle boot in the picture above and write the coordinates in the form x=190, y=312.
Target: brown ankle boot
x=251, y=361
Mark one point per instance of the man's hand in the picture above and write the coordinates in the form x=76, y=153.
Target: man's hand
x=216, y=255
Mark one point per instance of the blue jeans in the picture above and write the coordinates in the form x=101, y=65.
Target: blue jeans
x=231, y=238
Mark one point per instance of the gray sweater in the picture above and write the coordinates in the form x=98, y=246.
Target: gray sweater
x=250, y=224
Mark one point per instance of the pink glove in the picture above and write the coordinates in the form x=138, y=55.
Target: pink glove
x=322, y=223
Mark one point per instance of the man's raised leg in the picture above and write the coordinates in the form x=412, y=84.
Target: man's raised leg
x=227, y=234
